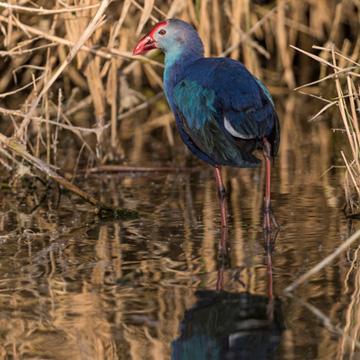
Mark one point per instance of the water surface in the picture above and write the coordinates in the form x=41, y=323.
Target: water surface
x=75, y=286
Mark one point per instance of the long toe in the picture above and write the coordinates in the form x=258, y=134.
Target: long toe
x=268, y=216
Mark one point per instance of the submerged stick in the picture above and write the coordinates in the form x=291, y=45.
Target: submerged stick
x=325, y=320
x=322, y=264
x=46, y=168
x=122, y=168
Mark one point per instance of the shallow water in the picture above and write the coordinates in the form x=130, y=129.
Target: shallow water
x=74, y=286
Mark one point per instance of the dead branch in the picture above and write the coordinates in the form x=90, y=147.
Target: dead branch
x=99, y=206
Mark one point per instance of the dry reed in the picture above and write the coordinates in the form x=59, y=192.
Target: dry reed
x=69, y=65
x=345, y=70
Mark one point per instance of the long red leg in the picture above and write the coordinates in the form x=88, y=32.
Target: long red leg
x=221, y=195
x=269, y=247
x=220, y=278
x=270, y=305
x=268, y=213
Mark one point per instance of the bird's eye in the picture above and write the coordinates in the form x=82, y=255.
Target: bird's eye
x=162, y=32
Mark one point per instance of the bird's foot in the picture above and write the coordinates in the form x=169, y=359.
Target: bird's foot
x=269, y=240
x=268, y=216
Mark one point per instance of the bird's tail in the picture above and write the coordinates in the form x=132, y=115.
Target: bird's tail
x=274, y=138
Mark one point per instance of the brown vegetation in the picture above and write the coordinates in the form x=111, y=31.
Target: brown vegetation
x=71, y=92
x=106, y=107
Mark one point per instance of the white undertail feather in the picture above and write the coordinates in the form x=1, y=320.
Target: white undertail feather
x=233, y=132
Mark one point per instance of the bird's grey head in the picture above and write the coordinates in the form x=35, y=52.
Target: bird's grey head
x=179, y=34
x=174, y=37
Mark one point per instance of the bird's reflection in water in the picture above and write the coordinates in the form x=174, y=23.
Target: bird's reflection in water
x=223, y=325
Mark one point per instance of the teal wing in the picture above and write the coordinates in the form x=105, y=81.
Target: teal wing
x=203, y=120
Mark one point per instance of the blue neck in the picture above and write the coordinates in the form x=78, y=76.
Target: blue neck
x=183, y=56
x=176, y=62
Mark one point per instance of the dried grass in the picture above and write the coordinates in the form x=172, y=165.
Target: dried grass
x=348, y=104
x=69, y=64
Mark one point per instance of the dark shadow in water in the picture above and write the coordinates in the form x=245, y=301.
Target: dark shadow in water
x=223, y=325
